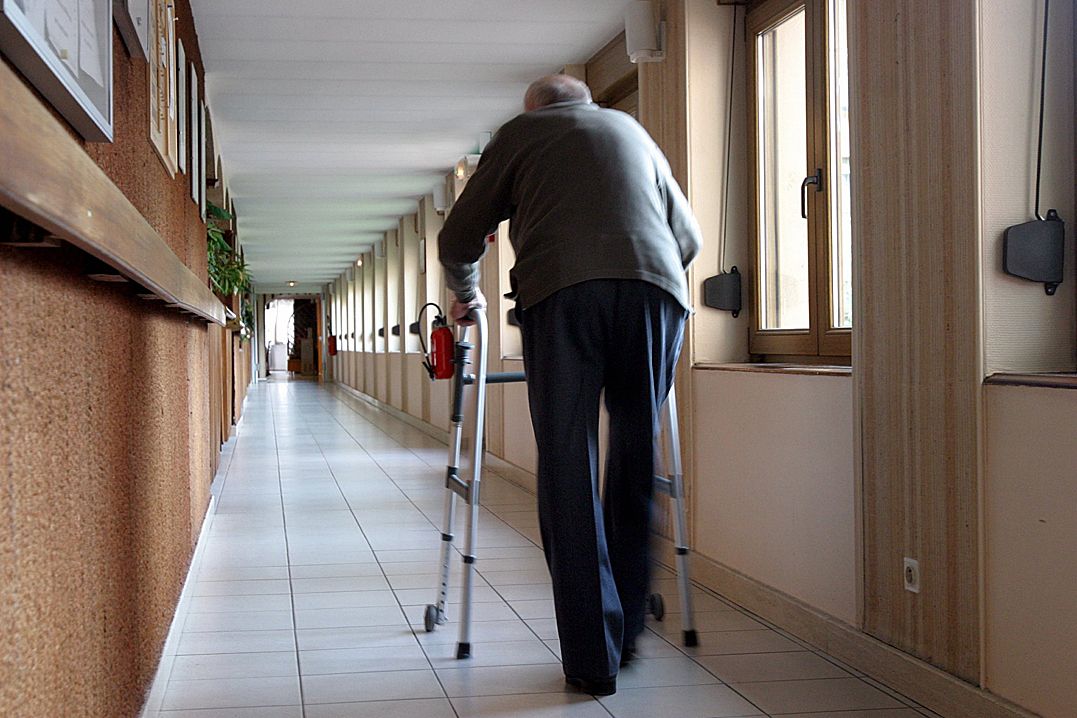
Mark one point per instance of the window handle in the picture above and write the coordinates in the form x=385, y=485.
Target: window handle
x=815, y=179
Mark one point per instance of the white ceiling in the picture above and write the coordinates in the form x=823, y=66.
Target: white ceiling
x=334, y=116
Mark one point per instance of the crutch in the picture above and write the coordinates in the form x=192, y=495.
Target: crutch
x=467, y=490
x=672, y=484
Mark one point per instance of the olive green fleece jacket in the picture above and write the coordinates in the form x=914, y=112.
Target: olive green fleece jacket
x=589, y=196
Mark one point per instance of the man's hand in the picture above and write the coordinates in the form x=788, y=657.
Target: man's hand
x=461, y=311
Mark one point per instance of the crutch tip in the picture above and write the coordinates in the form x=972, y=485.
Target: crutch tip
x=463, y=650
x=691, y=639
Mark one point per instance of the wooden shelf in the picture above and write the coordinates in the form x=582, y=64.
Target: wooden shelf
x=47, y=178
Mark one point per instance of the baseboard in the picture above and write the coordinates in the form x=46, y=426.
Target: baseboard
x=156, y=692
x=927, y=685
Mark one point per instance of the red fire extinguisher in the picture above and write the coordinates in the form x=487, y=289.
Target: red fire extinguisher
x=441, y=349
x=439, y=360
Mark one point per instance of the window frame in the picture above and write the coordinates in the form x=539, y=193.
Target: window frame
x=820, y=340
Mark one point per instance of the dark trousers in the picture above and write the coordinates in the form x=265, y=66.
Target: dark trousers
x=621, y=336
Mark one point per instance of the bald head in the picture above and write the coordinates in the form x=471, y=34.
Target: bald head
x=553, y=89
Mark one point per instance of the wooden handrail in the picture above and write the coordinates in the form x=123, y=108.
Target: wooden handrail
x=46, y=177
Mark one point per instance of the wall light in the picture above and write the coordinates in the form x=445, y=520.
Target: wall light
x=644, y=40
x=359, y=262
x=291, y=284
x=465, y=166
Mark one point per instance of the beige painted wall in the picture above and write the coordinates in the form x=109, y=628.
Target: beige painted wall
x=414, y=376
x=1030, y=536
x=774, y=492
x=1024, y=329
x=715, y=335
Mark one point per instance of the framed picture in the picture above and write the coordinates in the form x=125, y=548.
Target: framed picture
x=64, y=48
x=196, y=134
x=133, y=21
x=181, y=105
x=163, y=82
x=202, y=160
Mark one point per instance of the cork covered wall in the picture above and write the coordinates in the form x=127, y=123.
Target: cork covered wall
x=105, y=451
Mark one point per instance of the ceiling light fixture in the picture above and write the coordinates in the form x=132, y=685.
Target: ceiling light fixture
x=291, y=284
x=359, y=262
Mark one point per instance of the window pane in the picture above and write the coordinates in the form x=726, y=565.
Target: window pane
x=782, y=154
x=841, y=245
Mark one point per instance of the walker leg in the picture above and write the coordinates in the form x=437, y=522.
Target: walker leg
x=463, y=646
x=437, y=616
x=680, y=524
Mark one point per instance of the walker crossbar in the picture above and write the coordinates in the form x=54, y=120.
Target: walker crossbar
x=671, y=483
x=508, y=377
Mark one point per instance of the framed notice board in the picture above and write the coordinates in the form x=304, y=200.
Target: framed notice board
x=64, y=47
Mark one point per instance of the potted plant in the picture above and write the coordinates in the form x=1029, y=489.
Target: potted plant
x=228, y=272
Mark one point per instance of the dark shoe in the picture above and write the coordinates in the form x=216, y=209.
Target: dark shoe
x=594, y=686
x=628, y=653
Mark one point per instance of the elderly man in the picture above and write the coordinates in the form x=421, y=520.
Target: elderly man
x=603, y=236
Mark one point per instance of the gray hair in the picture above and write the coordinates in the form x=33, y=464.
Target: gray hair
x=555, y=88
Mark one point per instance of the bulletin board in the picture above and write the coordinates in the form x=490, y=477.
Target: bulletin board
x=64, y=48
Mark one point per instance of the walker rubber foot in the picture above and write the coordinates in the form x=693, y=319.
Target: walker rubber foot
x=691, y=639
x=463, y=650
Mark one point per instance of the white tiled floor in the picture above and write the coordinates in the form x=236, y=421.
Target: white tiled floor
x=307, y=593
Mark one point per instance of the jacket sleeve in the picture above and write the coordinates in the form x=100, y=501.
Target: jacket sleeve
x=482, y=205
x=679, y=215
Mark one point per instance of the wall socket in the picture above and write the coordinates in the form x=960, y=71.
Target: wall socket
x=912, y=575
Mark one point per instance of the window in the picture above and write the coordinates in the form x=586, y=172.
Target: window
x=800, y=206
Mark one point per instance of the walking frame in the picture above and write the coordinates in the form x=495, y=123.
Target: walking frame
x=669, y=481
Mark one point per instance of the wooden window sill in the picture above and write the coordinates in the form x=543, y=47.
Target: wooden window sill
x=800, y=369
x=1054, y=380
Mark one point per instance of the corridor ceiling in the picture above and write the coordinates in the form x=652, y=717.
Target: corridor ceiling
x=334, y=116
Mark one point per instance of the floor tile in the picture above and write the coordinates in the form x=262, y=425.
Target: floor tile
x=502, y=680
x=495, y=653
x=710, y=701
x=236, y=642
x=238, y=621
x=411, y=708
x=234, y=665
x=334, y=570
x=349, y=617
x=835, y=694
x=353, y=637
x=533, y=705
x=262, y=712
x=344, y=599
x=385, y=686
x=243, y=573
x=339, y=583
x=713, y=643
x=708, y=621
x=542, y=608
x=652, y=672
x=405, y=657
x=883, y=713
x=231, y=693
x=481, y=632
x=751, y=667
x=212, y=604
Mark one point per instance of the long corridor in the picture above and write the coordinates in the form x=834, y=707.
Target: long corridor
x=307, y=591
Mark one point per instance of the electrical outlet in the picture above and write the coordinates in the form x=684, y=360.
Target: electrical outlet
x=912, y=575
